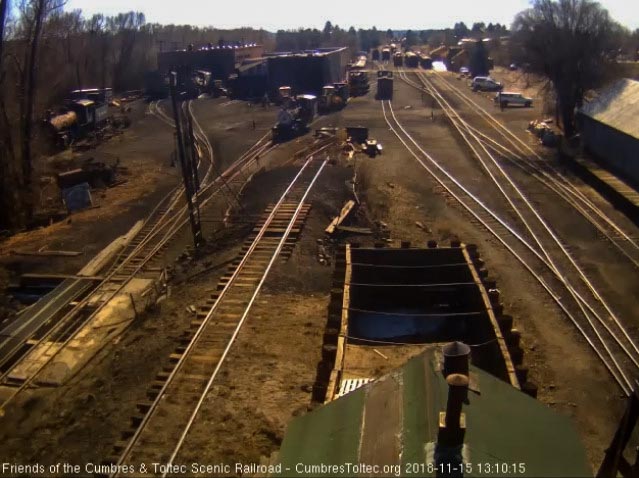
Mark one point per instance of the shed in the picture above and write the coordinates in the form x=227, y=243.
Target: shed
x=394, y=422
x=610, y=130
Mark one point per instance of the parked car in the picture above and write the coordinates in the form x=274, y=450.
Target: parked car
x=506, y=98
x=485, y=83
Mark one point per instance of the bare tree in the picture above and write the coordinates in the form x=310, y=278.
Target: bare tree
x=29, y=91
x=35, y=13
x=569, y=42
x=69, y=27
x=6, y=147
x=3, y=18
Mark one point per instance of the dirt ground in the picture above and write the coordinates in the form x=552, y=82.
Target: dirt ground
x=270, y=371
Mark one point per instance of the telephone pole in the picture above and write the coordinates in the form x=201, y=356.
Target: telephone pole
x=188, y=163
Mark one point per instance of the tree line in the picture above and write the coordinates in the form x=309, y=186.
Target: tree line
x=365, y=39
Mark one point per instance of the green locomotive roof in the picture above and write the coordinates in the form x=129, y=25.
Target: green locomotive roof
x=394, y=421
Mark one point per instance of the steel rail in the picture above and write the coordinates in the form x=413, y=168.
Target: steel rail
x=460, y=127
x=134, y=438
x=446, y=106
x=520, y=163
x=280, y=245
x=65, y=324
x=525, y=149
x=554, y=237
x=614, y=368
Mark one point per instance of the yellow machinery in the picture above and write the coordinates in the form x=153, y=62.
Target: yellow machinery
x=333, y=98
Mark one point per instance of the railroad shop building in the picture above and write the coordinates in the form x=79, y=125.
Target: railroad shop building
x=309, y=71
x=610, y=130
x=219, y=60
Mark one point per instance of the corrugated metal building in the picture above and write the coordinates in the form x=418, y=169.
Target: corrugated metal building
x=249, y=80
x=221, y=61
x=610, y=128
x=309, y=71
x=393, y=424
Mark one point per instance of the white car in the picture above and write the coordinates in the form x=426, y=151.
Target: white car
x=485, y=83
x=506, y=98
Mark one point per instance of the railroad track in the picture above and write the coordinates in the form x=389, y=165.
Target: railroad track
x=164, y=222
x=180, y=390
x=532, y=242
x=551, y=178
x=520, y=154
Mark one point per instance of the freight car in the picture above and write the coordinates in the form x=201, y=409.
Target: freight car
x=386, y=54
x=426, y=62
x=384, y=85
x=375, y=54
x=398, y=59
x=411, y=60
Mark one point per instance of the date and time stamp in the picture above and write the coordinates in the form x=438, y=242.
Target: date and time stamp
x=487, y=468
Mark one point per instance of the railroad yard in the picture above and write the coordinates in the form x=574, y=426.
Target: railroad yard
x=157, y=351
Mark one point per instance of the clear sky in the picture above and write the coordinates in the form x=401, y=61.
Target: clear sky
x=275, y=14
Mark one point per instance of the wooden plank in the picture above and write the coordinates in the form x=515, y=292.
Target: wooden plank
x=333, y=385
x=106, y=255
x=510, y=368
x=30, y=277
x=348, y=207
x=46, y=253
x=365, y=231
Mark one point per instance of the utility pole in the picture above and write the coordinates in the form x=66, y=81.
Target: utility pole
x=187, y=164
x=194, y=153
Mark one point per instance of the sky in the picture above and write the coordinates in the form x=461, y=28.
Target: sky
x=286, y=14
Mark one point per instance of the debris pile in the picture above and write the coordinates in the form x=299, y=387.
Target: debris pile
x=357, y=140
x=76, y=184
x=543, y=131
